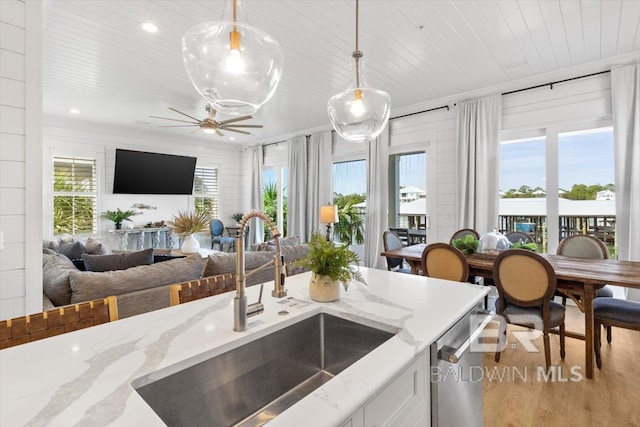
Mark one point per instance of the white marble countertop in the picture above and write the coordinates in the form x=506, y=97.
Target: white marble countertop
x=84, y=377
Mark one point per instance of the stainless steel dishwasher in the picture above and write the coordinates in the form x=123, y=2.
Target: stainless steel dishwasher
x=457, y=373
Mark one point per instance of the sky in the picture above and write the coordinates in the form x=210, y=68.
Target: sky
x=584, y=158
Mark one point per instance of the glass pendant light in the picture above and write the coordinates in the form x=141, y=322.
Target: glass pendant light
x=233, y=65
x=359, y=113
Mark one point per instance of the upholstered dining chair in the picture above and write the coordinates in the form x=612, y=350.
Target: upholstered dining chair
x=391, y=242
x=443, y=261
x=33, y=327
x=519, y=236
x=610, y=312
x=217, y=230
x=589, y=247
x=526, y=284
x=463, y=232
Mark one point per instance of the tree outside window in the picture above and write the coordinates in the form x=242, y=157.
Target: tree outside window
x=74, y=196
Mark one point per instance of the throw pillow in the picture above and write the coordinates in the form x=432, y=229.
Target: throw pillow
x=89, y=285
x=295, y=253
x=225, y=263
x=51, y=244
x=289, y=241
x=120, y=261
x=73, y=250
x=95, y=247
x=55, y=278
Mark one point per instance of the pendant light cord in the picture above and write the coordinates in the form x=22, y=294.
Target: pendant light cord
x=235, y=14
x=357, y=54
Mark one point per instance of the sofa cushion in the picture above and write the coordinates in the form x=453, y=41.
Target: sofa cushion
x=96, y=247
x=120, y=261
x=271, y=244
x=72, y=250
x=295, y=253
x=55, y=278
x=224, y=263
x=89, y=285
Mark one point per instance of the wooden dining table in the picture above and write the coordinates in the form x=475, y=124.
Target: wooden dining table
x=577, y=278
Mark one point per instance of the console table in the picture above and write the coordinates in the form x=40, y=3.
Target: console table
x=142, y=233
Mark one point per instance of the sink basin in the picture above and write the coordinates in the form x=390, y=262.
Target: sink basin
x=251, y=384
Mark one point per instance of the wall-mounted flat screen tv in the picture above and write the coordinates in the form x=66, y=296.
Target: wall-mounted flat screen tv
x=139, y=172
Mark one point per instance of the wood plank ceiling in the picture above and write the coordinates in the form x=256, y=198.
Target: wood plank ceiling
x=99, y=61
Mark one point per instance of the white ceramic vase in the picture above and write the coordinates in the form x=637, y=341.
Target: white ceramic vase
x=190, y=245
x=323, y=289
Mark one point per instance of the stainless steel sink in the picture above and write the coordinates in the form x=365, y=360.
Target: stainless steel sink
x=252, y=384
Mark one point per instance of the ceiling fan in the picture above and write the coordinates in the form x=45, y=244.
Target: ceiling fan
x=210, y=125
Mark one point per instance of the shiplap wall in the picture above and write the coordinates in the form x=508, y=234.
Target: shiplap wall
x=100, y=142
x=20, y=147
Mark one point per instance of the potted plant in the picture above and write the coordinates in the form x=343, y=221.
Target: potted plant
x=467, y=244
x=330, y=264
x=237, y=217
x=118, y=216
x=186, y=223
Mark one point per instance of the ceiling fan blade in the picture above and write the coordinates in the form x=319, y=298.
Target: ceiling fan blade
x=179, y=126
x=195, y=130
x=184, y=114
x=219, y=133
x=241, y=126
x=237, y=119
x=237, y=131
x=175, y=120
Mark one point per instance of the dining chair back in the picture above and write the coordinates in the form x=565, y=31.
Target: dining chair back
x=443, y=261
x=180, y=293
x=216, y=227
x=463, y=232
x=526, y=283
x=402, y=233
x=33, y=327
x=391, y=242
x=616, y=312
x=589, y=247
x=583, y=246
x=519, y=236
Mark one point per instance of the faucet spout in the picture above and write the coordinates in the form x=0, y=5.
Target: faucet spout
x=240, y=301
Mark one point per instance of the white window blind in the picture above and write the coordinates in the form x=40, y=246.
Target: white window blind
x=206, y=191
x=75, y=195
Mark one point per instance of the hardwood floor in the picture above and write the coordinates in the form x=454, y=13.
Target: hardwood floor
x=522, y=399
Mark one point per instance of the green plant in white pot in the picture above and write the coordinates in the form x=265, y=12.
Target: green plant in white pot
x=331, y=265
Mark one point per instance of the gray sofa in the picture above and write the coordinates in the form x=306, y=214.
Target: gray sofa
x=144, y=288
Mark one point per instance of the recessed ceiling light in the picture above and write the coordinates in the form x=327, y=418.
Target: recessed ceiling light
x=74, y=111
x=149, y=27
x=232, y=138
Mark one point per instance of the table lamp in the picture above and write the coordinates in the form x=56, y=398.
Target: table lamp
x=328, y=215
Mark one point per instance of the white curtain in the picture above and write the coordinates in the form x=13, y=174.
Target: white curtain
x=297, y=188
x=257, y=229
x=320, y=180
x=625, y=97
x=478, y=163
x=377, y=199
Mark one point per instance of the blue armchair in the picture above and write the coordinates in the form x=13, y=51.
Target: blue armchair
x=217, y=229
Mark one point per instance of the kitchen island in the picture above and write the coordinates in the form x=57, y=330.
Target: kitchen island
x=85, y=377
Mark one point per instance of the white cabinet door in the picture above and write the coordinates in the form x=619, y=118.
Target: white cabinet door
x=404, y=401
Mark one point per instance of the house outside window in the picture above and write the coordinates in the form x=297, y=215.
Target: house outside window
x=75, y=195
x=206, y=191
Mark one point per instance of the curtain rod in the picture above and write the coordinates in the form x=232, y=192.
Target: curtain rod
x=550, y=84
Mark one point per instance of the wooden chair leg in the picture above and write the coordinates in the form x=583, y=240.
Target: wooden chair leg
x=547, y=350
x=562, y=330
x=597, y=342
x=502, y=330
x=608, y=334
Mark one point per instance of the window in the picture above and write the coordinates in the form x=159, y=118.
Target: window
x=274, y=193
x=74, y=196
x=408, y=195
x=559, y=184
x=350, y=195
x=206, y=191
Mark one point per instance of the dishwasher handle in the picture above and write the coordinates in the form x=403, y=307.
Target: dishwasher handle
x=453, y=355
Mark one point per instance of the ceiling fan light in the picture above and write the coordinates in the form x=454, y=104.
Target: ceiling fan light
x=208, y=130
x=234, y=66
